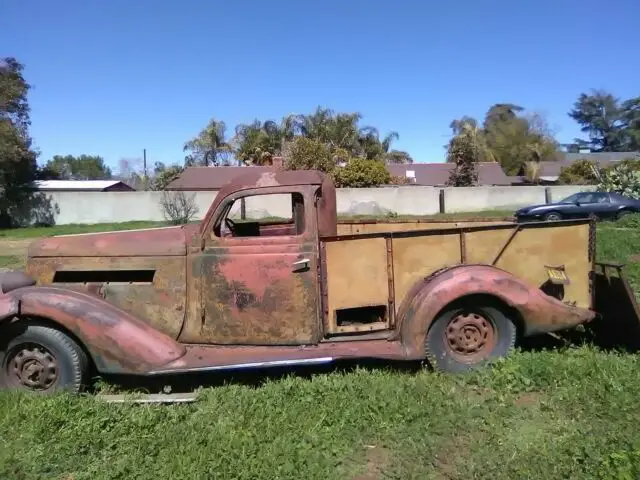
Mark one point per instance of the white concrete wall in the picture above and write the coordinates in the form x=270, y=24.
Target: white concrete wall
x=563, y=191
x=379, y=201
x=113, y=207
x=474, y=199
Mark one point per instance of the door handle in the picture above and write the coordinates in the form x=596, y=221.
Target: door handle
x=301, y=264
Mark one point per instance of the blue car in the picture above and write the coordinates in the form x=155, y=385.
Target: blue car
x=581, y=205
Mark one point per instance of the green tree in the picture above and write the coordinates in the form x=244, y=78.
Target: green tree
x=304, y=153
x=467, y=132
x=210, y=147
x=611, y=124
x=163, y=175
x=464, y=151
x=18, y=160
x=257, y=143
x=84, y=167
x=515, y=139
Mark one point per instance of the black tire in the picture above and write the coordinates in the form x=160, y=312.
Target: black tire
x=552, y=217
x=42, y=359
x=444, y=356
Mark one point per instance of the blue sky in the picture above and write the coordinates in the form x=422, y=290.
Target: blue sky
x=111, y=78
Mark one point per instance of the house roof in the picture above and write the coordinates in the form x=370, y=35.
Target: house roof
x=597, y=156
x=437, y=174
x=79, y=185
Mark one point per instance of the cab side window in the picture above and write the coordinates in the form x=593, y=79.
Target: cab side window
x=269, y=215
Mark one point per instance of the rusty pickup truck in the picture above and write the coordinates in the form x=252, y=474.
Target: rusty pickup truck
x=247, y=288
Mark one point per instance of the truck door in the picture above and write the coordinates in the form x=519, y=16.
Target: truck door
x=259, y=270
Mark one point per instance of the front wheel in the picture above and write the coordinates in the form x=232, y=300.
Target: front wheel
x=552, y=217
x=43, y=360
x=465, y=338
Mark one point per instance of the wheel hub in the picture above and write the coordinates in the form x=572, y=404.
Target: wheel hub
x=32, y=367
x=470, y=335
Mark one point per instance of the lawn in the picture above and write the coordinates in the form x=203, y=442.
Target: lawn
x=570, y=412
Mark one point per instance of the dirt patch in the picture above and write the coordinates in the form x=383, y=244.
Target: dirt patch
x=453, y=451
x=529, y=399
x=377, y=460
x=634, y=258
x=480, y=393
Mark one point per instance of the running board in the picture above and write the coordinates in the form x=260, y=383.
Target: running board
x=162, y=398
x=244, y=366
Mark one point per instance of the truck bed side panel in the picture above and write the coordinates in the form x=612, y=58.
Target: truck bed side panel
x=367, y=263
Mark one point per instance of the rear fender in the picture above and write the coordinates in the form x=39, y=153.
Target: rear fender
x=9, y=307
x=116, y=341
x=536, y=311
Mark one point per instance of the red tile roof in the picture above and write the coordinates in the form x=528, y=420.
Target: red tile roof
x=437, y=174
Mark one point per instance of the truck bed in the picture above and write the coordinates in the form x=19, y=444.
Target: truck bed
x=385, y=264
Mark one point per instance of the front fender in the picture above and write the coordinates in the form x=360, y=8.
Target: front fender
x=538, y=311
x=116, y=341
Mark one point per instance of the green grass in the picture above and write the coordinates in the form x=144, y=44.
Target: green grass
x=11, y=261
x=556, y=415
x=564, y=413
x=36, y=232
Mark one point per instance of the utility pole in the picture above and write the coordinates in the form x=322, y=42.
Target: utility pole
x=144, y=162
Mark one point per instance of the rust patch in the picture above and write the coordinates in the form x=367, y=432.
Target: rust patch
x=9, y=306
x=117, y=341
x=540, y=312
x=162, y=241
x=161, y=303
x=252, y=295
x=213, y=356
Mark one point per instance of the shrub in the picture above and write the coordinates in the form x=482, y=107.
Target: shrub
x=580, y=172
x=361, y=173
x=623, y=179
x=177, y=207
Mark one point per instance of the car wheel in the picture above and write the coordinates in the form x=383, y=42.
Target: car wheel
x=552, y=217
x=465, y=338
x=43, y=360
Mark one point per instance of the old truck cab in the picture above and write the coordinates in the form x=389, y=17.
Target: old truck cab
x=270, y=277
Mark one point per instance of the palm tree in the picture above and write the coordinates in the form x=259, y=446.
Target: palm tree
x=210, y=146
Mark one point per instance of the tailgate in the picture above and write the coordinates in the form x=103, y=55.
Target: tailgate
x=616, y=302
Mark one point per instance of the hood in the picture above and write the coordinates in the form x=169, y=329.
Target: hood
x=164, y=241
x=531, y=208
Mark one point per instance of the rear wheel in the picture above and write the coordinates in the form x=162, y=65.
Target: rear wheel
x=44, y=360
x=465, y=338
x=552, y=217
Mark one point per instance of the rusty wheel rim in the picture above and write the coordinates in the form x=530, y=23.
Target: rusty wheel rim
x=470, y=337
x=31, y=367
